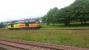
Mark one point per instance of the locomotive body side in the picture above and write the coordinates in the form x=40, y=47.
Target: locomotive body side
x=24, y=26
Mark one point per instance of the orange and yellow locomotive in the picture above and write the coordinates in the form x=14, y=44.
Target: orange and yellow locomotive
x=24, y=25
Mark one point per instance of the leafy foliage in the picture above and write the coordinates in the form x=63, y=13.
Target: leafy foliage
x=76, y=12
x=2, y=25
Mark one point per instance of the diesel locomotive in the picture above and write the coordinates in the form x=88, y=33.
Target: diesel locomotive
x=24, y=25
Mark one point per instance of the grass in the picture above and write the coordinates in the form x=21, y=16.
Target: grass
x=78, y=38
x=3, y=48
x=63, y=26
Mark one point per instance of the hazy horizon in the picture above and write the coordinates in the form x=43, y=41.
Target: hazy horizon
x=21, y=9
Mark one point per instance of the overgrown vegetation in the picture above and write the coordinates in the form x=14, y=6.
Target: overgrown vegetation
x=78, y=38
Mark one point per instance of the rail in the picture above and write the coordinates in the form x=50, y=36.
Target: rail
x=28, y=45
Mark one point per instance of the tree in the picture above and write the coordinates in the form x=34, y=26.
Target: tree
x=1, y=25
x=78, y=11
x=44, y=19
x=51, y=15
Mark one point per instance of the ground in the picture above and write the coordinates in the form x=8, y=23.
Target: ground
x=2, y=48
x=78, y=38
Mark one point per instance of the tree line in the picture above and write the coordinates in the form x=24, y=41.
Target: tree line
x=2, y=25
x=76, y=12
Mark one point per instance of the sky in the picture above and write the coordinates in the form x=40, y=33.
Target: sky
x=22, y=9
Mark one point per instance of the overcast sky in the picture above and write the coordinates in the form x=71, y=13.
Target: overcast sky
x=20, y=9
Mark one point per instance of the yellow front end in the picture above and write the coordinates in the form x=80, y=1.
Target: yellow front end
x=16, y=26
x=9, y=26
x=19, y=25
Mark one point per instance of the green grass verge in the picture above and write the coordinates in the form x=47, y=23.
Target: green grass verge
x=62, y=25
x=79, y=38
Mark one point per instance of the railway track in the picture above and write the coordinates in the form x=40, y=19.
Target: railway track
x=25, y=46
x=21, y=45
